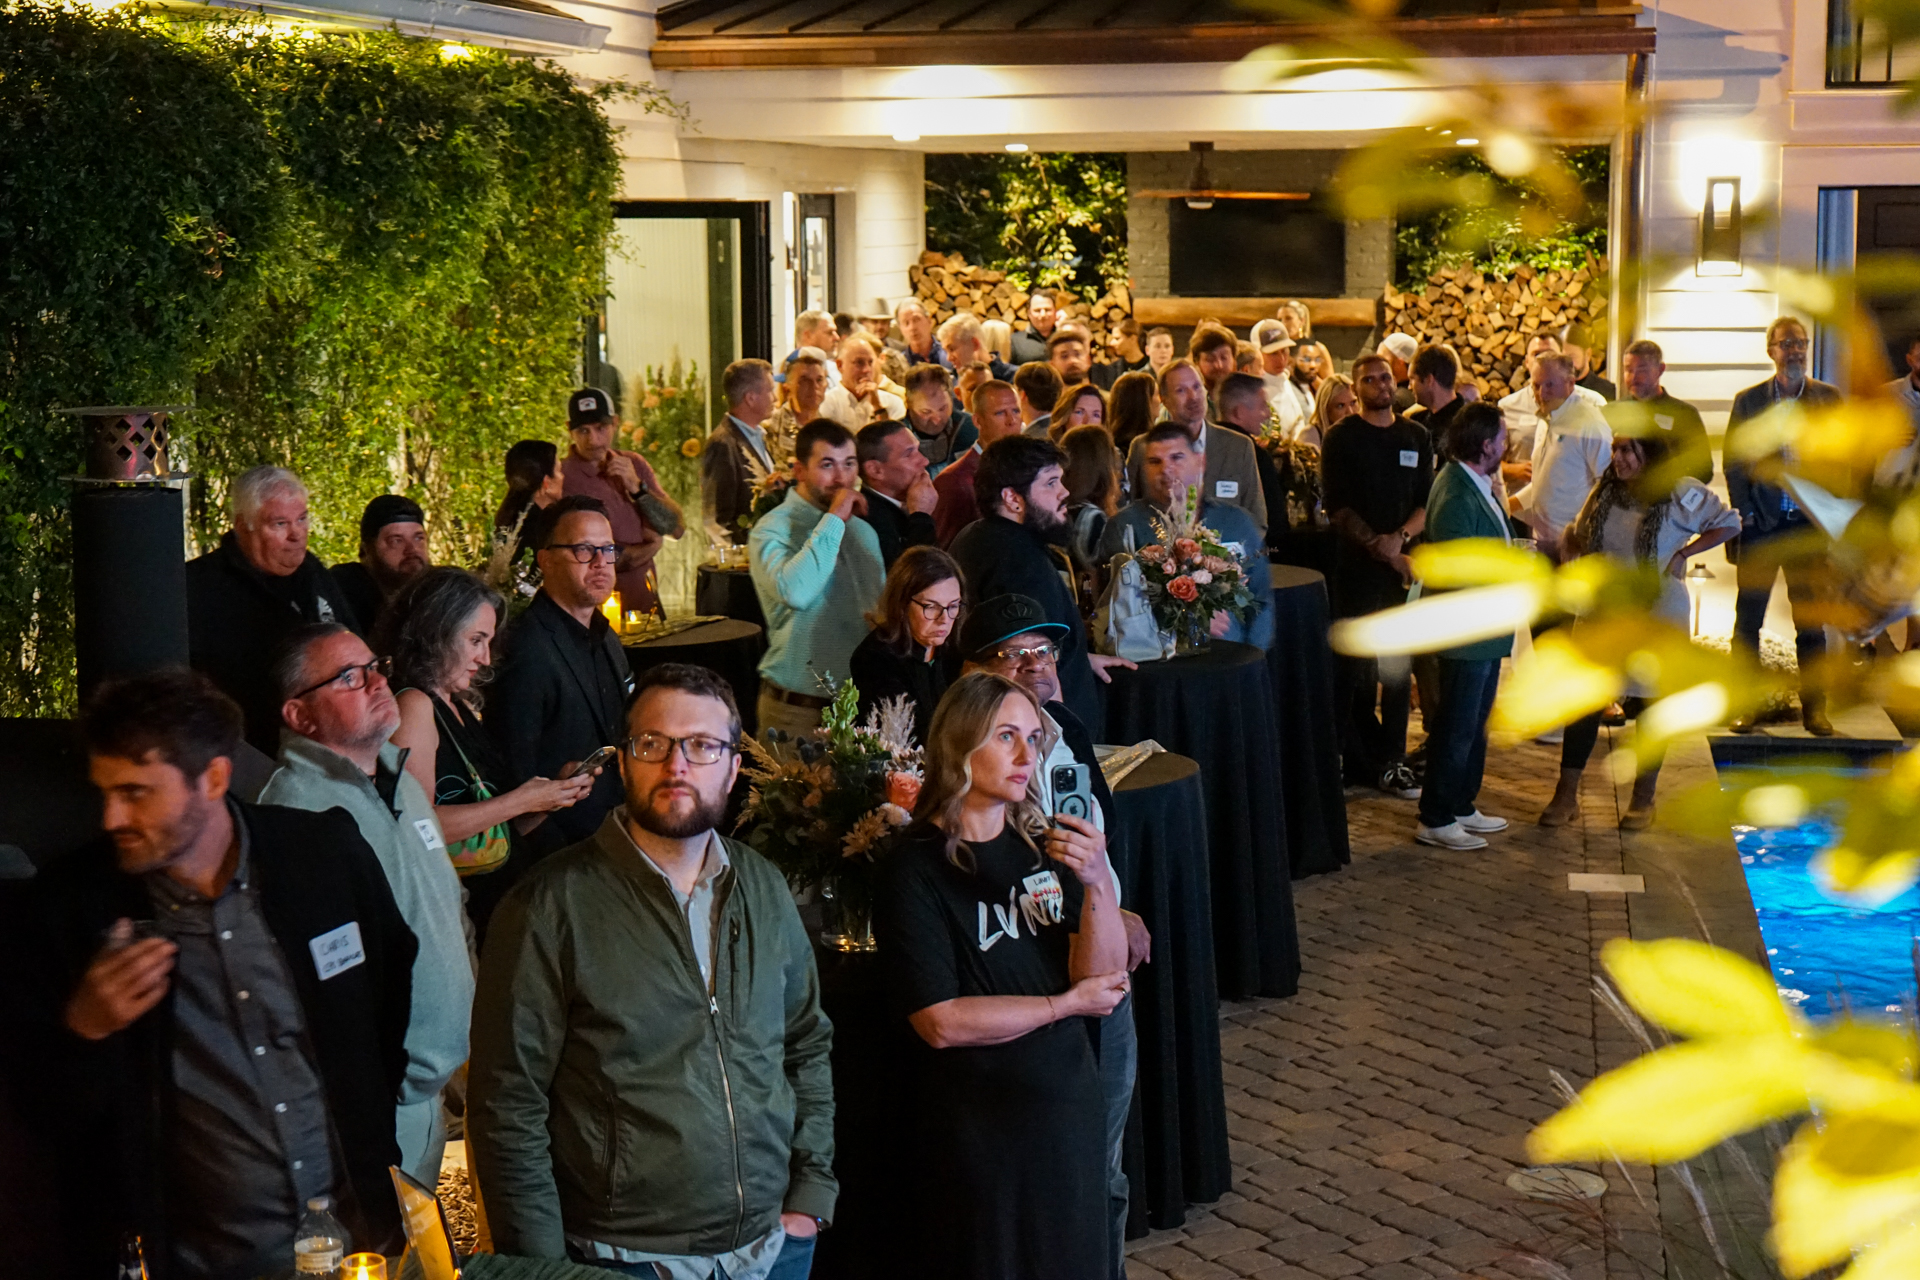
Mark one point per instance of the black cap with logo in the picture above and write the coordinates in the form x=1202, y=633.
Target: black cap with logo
x=993, y=621
x=587, y=406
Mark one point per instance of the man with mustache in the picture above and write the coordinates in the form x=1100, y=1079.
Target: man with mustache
x=393, y=548
x=334, y=754
x=650, y=1088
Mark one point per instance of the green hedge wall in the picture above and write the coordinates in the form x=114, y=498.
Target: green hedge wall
x=356, y=255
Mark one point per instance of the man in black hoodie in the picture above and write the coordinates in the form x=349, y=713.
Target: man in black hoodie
x=247, y=594
x=1017, y=548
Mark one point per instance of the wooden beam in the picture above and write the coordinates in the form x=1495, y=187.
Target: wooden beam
x=1345, y=313
x=1515, y=37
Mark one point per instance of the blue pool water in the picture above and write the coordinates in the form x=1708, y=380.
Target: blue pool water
x=1827, y=956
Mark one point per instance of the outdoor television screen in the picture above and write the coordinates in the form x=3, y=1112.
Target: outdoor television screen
x=1257, y=248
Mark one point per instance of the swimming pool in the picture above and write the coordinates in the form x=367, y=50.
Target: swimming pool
x=1827, y=956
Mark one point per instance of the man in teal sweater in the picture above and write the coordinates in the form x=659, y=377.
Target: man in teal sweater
x=1462, y=505
x=818, y=572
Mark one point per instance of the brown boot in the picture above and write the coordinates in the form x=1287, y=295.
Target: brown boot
x=1639, y=814
x=1565, y=805
x=1813, y=714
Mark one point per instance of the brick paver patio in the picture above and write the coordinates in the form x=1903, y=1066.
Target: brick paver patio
x=1376, y=1116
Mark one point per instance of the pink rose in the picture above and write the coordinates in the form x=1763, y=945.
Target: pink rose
x=1153, y=552
x=1186, y=548
x=1183, y=589
x=1201, y=577
x=1214, y=564
x=903, y=789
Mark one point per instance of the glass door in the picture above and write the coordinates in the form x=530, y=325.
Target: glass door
x=688, y=293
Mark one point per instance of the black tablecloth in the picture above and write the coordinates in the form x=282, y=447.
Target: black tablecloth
x=731, y=648
x=1176, y=1152
x=1217, y=707
x=1301, y=666
x=727, y=593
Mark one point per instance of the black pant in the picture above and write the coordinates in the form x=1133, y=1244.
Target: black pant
x=1457, y=739
x=1754, y=575
x=1369, y=742
x=1576, y=745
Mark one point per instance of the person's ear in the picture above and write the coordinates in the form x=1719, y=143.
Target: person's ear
x=217, y=779
x=293, y=714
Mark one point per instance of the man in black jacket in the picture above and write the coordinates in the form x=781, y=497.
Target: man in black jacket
x=1017, y=548
x=899, y=494
x=247, y=594
x=563, y=685
x=227, y=998
x=1770, y=519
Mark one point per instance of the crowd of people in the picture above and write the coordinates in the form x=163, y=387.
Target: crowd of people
x=411, y=843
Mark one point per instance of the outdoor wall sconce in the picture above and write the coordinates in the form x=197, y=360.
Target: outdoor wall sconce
x=1720, y=229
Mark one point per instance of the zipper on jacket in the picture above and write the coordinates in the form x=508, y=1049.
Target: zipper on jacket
x=733, y=1123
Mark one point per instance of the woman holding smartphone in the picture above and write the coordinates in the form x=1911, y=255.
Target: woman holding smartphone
x=1002, y=937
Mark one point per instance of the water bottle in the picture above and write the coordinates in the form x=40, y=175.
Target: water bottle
x=321, y=1242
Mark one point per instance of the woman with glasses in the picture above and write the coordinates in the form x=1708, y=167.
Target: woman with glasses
x=438, y=634
x=907, y=651
x=1003, y=942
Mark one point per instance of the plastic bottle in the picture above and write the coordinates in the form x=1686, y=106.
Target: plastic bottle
x=321, y=1242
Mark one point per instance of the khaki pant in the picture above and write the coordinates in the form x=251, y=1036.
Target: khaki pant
x=785, y=716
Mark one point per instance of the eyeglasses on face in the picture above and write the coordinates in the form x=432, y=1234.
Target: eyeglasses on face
x=1022, y=656
x=352, y=678
x=653, y=748
x=587, y=552
x=934, y=611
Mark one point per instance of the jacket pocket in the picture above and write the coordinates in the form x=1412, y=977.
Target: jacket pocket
x=610, y=1147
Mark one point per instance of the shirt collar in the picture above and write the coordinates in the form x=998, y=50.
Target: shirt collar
x=164, y=887
x=755, y=436
x=875, y=493
x=711, y=865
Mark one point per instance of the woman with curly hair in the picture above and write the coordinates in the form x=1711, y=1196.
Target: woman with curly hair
x=438, y=631
x=1003, y=939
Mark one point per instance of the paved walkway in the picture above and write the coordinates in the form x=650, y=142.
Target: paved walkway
x=1376, y=1116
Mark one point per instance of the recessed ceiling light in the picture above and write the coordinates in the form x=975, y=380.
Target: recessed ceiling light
x=906, y=137
x=1018, y=148
x=1466, y=142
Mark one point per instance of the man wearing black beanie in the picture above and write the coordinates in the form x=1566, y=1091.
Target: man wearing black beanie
x=393, y=548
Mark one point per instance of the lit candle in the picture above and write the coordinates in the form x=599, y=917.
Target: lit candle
x=610, y=607
x=364, y=1266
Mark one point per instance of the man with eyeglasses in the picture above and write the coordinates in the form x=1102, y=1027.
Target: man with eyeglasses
x=1011, y=636
x=563, y=680
x=334, y=754
x=650, y=1089
x=248, y=593
x=1771, y=522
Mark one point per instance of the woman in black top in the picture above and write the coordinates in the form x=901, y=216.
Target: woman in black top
x=533, y=483
x=439, y=632
x=1001, y=939
x=906, y=651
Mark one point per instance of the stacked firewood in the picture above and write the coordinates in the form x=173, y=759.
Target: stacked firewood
x=946, y=283
x=1489, y=321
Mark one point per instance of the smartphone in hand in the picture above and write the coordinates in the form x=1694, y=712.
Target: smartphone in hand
x=604, y=756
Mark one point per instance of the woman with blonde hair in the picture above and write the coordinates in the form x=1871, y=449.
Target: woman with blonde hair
x=1333, y=401
x=999, y=336
x=1001, y=937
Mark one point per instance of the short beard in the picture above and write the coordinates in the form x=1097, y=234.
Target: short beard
x=1050, y=527
x=705, y=815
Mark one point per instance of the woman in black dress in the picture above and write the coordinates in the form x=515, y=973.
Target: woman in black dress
x=439, y=632
x=534, y=482
x=1002, y=941
x=906, y=652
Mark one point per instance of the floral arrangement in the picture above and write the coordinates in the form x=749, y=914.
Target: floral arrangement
x=1191, y=575
x=824, y=807
x=666, y=423
x=769, y=487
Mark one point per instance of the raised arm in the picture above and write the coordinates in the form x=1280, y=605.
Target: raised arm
x=799, y=573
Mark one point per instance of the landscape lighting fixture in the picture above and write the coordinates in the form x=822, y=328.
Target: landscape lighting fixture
x=1017, y=148
x=1199, y=183
x=1720, y=229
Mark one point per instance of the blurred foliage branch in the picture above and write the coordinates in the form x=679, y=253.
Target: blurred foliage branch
x=1053, y=218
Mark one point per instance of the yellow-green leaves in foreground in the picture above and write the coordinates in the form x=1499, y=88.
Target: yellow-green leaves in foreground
x=1849, y=1181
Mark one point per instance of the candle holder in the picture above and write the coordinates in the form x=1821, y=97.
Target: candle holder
x=363, y=1266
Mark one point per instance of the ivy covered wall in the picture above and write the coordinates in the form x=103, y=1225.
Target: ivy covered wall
x=362, y=256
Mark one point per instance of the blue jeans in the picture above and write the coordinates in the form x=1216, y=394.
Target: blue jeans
x=1119, y=1062
x=1457, y=743
x=794, y=1263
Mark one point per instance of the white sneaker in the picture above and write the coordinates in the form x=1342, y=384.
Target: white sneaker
x=1552, y=737
x=1481, y=823
x=1451, y=836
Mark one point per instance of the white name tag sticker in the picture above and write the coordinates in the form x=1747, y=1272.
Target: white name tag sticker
x=1409, y=457
x=1226, y=488
x=338, y=950
x=1663, y=421
x=429, y=833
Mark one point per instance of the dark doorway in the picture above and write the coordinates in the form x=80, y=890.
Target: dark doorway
x=1888, y=221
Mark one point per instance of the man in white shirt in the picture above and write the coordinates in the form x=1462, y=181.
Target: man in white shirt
x=816, y=329
x=1292, y=404
x=1572, y=446
x=1522, y=413
x=860, y=399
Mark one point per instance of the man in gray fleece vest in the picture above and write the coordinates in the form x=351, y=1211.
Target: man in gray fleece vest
x=334, y=754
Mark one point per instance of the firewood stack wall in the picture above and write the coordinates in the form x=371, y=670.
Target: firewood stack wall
x=1490, y=321
x=946, y=283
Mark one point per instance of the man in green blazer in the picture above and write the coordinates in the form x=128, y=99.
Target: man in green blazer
x=1462, y=505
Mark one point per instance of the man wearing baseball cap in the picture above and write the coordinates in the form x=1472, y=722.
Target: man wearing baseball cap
x=1399, y=349
x=393, y=548
x=1011, y=636
x=1291, y=403
x=620, y=480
